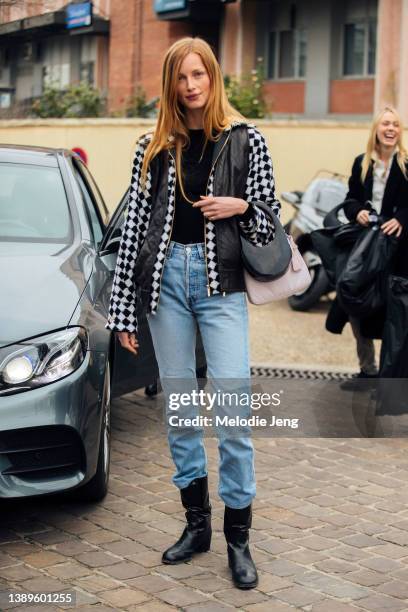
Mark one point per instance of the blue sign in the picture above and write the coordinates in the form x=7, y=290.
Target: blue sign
x=166, y=6
x=78, y=15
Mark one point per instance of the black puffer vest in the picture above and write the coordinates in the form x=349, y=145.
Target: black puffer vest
x=231, y=159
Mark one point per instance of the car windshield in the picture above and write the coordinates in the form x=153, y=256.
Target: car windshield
x=33, y=204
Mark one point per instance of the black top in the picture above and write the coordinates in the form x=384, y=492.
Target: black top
x=188, y=224
x=196, y=163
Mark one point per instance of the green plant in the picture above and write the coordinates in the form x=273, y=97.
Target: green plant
x=79, y=100
x=83, y=100
x=139, y=106
x=245, y=92
x=50, y=104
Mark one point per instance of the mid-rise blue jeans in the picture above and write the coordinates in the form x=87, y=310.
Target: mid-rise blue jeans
x=223, y=323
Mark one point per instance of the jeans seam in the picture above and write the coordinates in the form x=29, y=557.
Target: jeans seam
x=187, y=275
x=235, y=492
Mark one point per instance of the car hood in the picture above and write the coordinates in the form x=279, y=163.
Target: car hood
x=40, y=287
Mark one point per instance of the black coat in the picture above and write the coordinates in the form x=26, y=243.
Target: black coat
x=394, y=204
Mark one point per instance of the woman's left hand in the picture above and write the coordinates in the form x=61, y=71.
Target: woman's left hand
x=392, y=226
x=220, y=207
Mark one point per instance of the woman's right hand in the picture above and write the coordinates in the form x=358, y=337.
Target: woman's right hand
x=363, y=218
x=129, y=341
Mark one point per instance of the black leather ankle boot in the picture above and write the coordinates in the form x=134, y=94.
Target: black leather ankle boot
x=196, y=536
x=236, y=529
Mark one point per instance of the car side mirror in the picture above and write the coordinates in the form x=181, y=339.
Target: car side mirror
x=112, y=246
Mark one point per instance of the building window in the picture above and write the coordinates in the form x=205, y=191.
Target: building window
x=55, y=57
x=5, y=99
x=56, y=75
x=86, y=71
x=287, y=51
x=360, y=40
x=88, y=57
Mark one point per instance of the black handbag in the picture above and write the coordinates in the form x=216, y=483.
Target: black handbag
x=361, y=287
x=335, y=240
x=269, y=262
x=347, y=234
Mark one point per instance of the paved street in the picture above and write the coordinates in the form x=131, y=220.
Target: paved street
x=330, y=529
x=281, y=336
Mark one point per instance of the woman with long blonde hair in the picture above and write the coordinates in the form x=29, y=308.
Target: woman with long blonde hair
x=379, y=185
x=201, y=180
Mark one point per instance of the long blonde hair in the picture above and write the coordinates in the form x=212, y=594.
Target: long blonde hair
x=171, y=129
x=373, y=144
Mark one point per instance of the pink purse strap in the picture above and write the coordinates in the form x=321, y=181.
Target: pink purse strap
x=296, y=263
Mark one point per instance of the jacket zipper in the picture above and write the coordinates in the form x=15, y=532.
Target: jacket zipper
x=168, y=241
x=205, y=220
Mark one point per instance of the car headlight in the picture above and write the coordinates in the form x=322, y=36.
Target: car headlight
x=42, y=360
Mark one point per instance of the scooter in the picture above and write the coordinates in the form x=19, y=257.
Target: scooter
x=326, y=190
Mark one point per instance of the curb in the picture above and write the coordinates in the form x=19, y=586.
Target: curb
x=300, y=371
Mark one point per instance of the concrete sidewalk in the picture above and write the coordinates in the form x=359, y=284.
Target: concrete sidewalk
x=330, y=529
x=280, y=335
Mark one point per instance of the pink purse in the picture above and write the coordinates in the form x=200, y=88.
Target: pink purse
x=295, y=280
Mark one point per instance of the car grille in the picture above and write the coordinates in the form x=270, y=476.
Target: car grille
x=39, y=453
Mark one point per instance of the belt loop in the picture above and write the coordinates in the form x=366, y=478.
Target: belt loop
x=170, y=249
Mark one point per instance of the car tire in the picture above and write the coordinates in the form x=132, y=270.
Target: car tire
x=96, y=488
x=309, y=298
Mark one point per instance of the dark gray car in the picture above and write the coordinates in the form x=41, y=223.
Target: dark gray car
x=59, y=366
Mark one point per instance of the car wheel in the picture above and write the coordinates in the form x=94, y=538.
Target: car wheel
x=97, y=487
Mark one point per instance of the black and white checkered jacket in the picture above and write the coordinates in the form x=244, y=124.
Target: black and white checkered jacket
x=259, y=230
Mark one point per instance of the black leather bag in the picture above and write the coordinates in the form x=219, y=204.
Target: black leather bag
x=269, y=262
x=347, y=234
x=361, y=287
x=334, y=241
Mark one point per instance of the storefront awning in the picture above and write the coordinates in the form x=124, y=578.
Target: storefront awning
x=193, y=10
x=50, y=23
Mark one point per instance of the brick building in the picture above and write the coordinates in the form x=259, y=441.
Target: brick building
x=120, y=48
x=37, y=48
x=323, y=58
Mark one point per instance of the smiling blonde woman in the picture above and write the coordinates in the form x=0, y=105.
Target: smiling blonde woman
x=379, y=184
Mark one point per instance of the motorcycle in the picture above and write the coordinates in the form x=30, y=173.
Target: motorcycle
x=326, y=190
